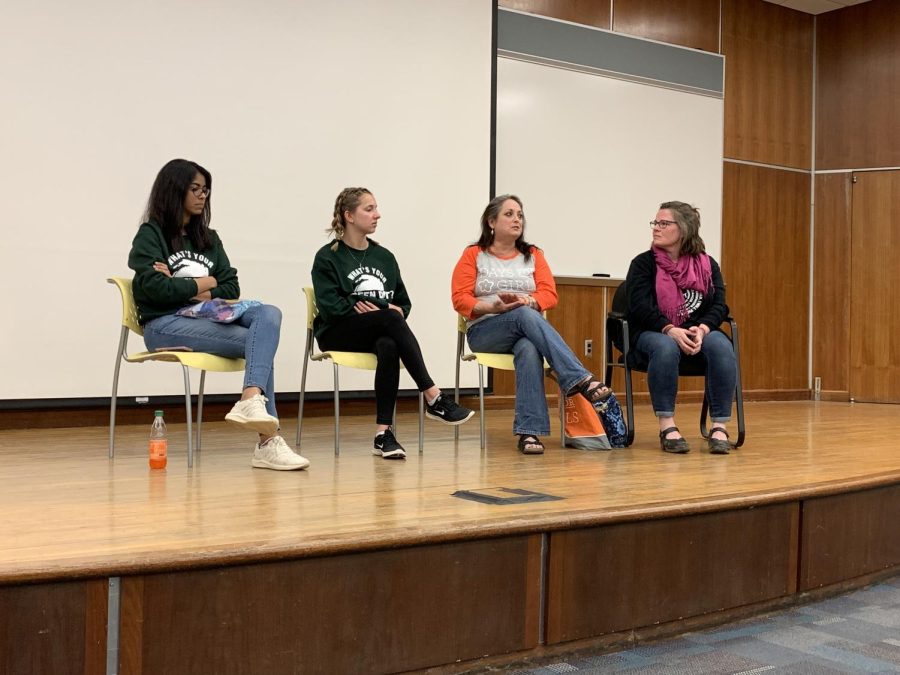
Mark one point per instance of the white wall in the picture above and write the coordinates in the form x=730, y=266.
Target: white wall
x=592, y=158
x=285, y=102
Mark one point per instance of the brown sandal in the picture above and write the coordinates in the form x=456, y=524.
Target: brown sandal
x=530, y=444
x=593, y=390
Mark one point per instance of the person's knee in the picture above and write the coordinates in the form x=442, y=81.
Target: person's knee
x=392, y=317
x=717, y=347
x=271, y=315
x=525, y=316
x=665, y=352
x=524, y=348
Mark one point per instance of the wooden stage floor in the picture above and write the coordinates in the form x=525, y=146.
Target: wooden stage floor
x=66, y=511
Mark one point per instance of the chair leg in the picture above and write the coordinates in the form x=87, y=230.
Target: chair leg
x=739, y=404
x=337, y=412
x=200, y=410
x=562, y=419
x=456, y=395
x=302, y=396
x=481, y=403
x=115, y=393
x=704, y=415
x=629, y=407
x=188, y=415
x=422, y=422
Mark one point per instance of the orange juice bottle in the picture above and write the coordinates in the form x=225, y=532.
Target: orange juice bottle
x=159, y=446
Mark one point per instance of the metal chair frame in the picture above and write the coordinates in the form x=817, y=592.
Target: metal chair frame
x=201, y=361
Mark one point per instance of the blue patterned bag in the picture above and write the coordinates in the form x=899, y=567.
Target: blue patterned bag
x=218, y=310
x=610, y=414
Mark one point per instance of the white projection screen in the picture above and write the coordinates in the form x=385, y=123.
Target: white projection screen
x=592, y=157
x=595, y=129
x=285, y=102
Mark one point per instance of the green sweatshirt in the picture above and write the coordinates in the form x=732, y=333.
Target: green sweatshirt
x=343, y=277
x=158, y=295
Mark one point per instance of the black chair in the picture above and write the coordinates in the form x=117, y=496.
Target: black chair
x=617, y=336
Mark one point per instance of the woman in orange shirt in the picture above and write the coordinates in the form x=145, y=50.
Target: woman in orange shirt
x=502, y=285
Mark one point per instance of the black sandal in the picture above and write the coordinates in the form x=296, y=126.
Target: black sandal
x=593, y=390
x=716, y=445
x=530, y=444
x=677, y=446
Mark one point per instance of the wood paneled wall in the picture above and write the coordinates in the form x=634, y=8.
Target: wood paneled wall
x=765, y=262
x=768, y=83
x=651, y=572
x=54, y=628
x=690, y=23
x=588, y=12
x=343, y=614
x=874, y=278
x=831, y=290
x=858, y=86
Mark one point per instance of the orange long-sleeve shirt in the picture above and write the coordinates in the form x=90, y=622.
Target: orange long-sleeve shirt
x=479, y=275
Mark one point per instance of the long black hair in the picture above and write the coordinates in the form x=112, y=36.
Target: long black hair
x=491, y=211
x=166, y=204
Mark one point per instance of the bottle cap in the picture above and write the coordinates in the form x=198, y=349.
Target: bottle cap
x=158, y=413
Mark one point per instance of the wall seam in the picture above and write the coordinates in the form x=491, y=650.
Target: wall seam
x=812, y=217
x=764, y=165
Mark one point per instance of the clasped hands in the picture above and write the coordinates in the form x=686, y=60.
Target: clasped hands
x=364, y=306
x=689, y=340
x=506, y=302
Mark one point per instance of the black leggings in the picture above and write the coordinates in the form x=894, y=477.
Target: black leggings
x=386, y=334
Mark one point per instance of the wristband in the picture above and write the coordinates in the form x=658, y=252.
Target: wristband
x=667, y=328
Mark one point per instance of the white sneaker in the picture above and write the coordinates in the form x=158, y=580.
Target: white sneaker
x=276, y=454
x=251, y=414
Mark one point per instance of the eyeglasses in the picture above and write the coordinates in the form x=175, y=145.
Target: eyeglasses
x=662, y=224
x=199, y=190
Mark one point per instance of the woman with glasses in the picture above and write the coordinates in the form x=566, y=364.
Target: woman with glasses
x=178, y=261
x=363, y=306
x=676, y=303
x=502, y=285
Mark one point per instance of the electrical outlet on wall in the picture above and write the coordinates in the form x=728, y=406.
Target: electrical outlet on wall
x=588, y=347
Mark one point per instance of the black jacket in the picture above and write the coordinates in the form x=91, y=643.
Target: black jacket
x=643, y=308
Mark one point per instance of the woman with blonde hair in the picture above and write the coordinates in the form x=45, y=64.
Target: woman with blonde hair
x=363, y=306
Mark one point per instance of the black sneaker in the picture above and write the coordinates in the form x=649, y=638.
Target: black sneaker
x=448, y=411
x=386, y=446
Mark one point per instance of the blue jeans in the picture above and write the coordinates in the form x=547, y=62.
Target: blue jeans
x=253, y=336
x=531, y=339
x=663, y=357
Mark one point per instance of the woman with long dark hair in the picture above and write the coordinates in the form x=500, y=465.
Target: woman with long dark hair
x=179, y=261
x=502, y=285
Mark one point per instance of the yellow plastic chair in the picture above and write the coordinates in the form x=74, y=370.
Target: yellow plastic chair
x=492, y=360
x=358, y=360
x=199, y=360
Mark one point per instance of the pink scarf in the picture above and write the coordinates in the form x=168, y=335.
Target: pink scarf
x=690, y=272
